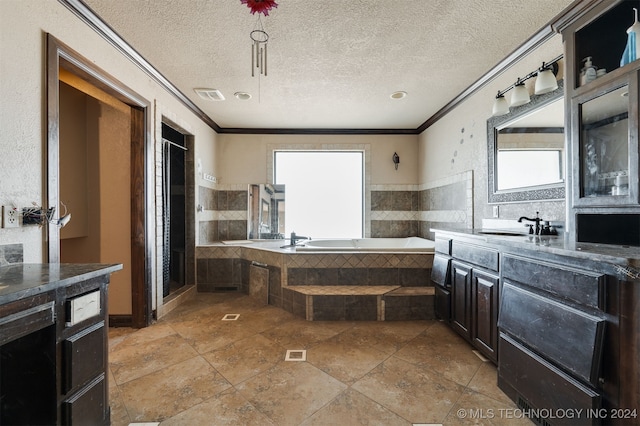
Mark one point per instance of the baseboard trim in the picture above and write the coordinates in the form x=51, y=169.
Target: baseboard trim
x=120, y=321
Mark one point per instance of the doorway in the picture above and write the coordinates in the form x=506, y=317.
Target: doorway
x=138, y=168
x=174, y=213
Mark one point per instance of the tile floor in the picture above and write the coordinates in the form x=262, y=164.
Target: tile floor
x=192, y=368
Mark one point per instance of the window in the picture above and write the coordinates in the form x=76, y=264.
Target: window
x=324, y=192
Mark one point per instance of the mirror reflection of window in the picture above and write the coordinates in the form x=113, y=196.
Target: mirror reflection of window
x=324, y=192
x=522, y=168
x=530, y=149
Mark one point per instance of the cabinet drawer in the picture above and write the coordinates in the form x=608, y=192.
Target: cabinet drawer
x=542, y=385
x=568, y=337
x=21, y=323
x=84, y=356
x=88, y=406
x=565, y=282
x=82, y=307
x=440, y=271
x=477, y=255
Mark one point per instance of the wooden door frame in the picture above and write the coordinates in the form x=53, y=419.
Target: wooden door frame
x=59, y=56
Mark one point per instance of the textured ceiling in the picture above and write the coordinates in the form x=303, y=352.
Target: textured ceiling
x=332, y=64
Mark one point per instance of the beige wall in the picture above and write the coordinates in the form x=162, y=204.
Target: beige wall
x=95, y=158
x=458, y=142
x=245, y=158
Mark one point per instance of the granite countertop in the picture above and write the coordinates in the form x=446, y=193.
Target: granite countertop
x=624, y=256
x=21, y=280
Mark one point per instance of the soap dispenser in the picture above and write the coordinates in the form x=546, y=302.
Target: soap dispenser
x=632, y=49
x=589, y=72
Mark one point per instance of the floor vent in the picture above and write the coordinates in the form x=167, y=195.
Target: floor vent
x=527, y=410
x=230, y=317
x=296, y=355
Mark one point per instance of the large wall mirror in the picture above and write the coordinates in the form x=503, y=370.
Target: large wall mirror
x=265, y=211
x=526, y=151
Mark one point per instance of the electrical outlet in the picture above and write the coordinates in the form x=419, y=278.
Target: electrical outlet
x=10, y=217
x=496, y=211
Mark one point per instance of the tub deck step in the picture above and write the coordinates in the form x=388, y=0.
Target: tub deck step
x=361, y=303
x=343, y=290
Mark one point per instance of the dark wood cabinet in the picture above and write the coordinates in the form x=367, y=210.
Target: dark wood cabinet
x=601, y=124
x=461, y=299
x=54, y=344
x=560, y=321
x=484, y=313
x=467, y=288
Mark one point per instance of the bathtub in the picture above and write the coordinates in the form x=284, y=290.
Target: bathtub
x=409, y=244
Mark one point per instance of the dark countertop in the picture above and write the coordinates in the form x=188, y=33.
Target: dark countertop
x=21, y=280
x=622, y=256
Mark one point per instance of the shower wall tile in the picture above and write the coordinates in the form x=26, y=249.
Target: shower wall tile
x=237, y=200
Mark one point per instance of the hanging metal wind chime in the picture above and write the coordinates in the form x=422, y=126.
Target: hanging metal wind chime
x=259, y=50
x=259, y=36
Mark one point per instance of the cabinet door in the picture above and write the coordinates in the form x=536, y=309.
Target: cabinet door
x=460, y=299
x=484, y=313
x=605, y=145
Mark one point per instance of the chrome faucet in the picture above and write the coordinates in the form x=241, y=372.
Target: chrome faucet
x=295, y=238
x=537, y=220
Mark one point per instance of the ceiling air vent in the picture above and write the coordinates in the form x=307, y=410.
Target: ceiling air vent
x=210, y=94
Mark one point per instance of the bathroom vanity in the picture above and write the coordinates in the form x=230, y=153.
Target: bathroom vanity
x=53, y=344
x=559, y=319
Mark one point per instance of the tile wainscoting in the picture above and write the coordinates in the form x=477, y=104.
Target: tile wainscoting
x=411, y=210
x=223, y=215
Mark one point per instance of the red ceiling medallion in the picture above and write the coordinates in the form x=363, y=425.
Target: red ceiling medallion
x=260, y=6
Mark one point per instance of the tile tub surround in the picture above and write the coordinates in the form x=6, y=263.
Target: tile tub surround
x=326, y=285
x=190, y=368
x=224, y=215
x=411, y=210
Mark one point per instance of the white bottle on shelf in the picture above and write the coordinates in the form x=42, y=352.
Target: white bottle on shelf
x=589, y=72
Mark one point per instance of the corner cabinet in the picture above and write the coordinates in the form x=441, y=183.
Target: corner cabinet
x=602, y=127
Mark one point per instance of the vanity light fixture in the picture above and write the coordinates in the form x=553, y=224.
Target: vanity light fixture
x=500, y=105
x=520, y=95
x=546, y=82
